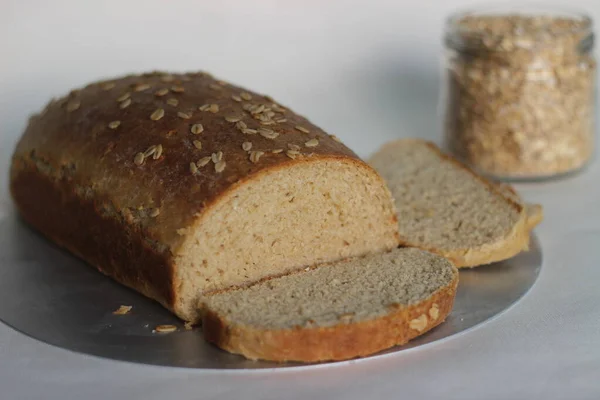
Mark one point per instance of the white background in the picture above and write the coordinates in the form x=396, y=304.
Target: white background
x=367, y=71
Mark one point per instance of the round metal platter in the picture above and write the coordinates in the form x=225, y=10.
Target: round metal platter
x=54, y=297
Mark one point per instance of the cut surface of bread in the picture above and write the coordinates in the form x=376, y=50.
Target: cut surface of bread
x=444, y=207
x=284, y=220
x=180, y=184
x=341, y=310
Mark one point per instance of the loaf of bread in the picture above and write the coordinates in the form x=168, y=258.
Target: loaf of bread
x=446, y=208
x=178, y=185
x=347, y=309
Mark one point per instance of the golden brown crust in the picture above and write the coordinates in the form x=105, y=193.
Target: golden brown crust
x=513, y=243
x=82, y=226
x=339, y=342
x=516, y=241
x=79, y=158
x=535, y=215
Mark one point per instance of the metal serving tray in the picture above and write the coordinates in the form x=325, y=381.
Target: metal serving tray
x=52, y=296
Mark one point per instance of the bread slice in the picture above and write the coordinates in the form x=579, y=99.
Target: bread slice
x=338, y=311
x=446, y=208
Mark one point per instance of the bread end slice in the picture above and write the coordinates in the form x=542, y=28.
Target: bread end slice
x=379, y=305
x=488, y=222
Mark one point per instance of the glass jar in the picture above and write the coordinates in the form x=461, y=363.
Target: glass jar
x=520, y=92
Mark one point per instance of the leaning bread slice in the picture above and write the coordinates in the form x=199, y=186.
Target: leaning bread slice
x=446, y=208
x=338, y=311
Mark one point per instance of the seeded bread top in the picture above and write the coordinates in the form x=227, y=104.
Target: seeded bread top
x=184, y=138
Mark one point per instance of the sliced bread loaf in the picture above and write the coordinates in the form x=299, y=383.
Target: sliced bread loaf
x=179, y=184
x=446, y=208
x=338, y=311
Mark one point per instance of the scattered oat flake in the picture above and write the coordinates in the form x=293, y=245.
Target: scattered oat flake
x=312, y=143
x=257, y=109
x=173, y=102
x=123, y=97
x=161, y=92
x=203, y=161
x=214, y=108
x=108, y=85
x=158, y=152
x=256, y=155
x=151, y=150
x=232, y=118
x=276, y=151
x=141, y=87
x=177, y=89
x=184, y=115
x=434, y=312
x=249, y=131
x=302, y=129
x=293, y=146
x=193, y=168
x=139, y=159
x=157, y=114
x=154, y=212
x=216, y=157
x=235, y=97
x=165, y=328
x=292, y=154
x=246, y=96
x=267, y=133
x=197, y=144
x=246, y=146
x=122, y=310
x=125, y=103
x=337, y=139
x=114, y=124
x=419, y=324
x=220, y=166
x=281, y=120
x=204, y=107
x=214, y=86
x=197, y=129
x=241, y=125
x=73, y=105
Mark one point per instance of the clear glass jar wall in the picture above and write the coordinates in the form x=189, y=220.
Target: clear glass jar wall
x=520, y=94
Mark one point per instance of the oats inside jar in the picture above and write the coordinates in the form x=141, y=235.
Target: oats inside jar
x=520, y=93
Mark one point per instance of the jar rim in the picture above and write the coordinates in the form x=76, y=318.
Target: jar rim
x=507, y=9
